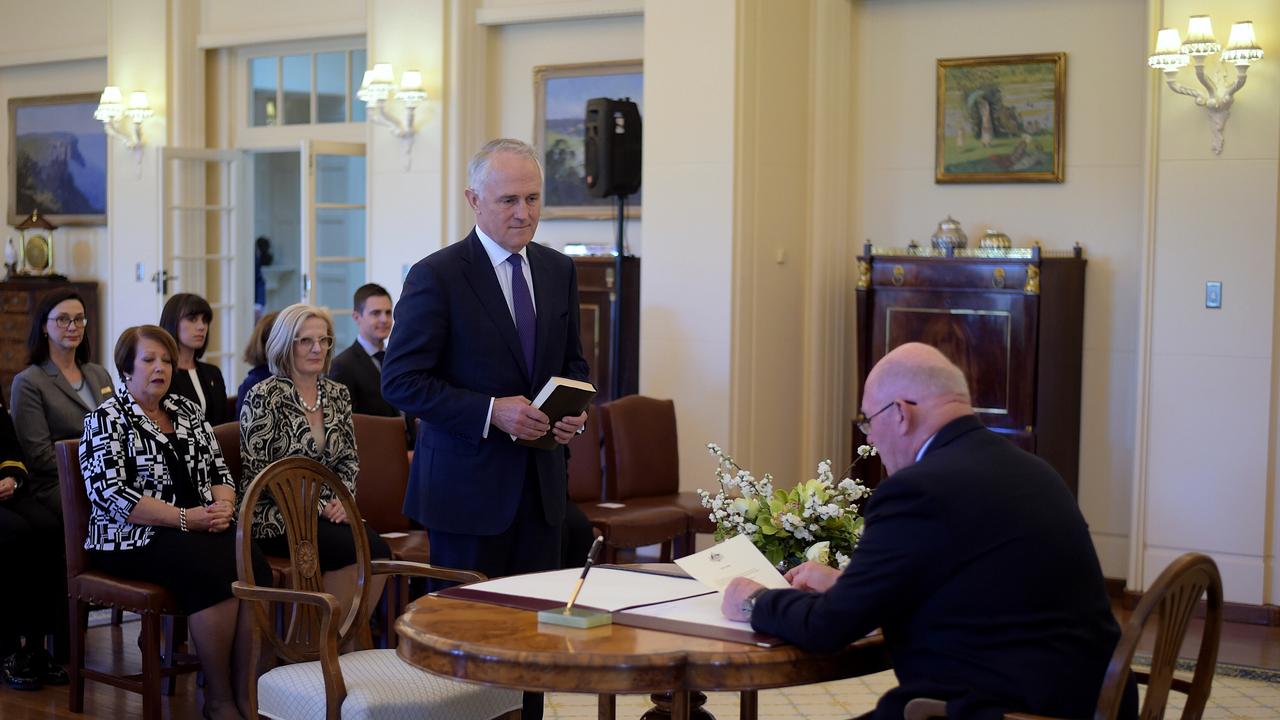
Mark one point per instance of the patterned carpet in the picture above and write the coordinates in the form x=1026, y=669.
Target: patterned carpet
x=1232, y=697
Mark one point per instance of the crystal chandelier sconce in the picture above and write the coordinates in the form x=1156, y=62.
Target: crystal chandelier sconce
x=378, y=87
x=112, y=110
x=1172, y=54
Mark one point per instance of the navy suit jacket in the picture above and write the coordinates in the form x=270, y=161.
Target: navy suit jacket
x=454, y=346
x=979, y=567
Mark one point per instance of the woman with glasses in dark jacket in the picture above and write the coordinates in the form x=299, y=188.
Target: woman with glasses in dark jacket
x=188, y=317
x=57, y=389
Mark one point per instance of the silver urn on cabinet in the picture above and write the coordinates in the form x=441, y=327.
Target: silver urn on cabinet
x=949, y=235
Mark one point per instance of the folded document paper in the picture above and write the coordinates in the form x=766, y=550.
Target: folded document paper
x=735, y=557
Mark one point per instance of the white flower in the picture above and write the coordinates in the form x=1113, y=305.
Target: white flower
x=819, y=552
x=865, y=451
x=842, y=560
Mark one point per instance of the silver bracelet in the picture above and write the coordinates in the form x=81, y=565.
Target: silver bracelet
x=182, y=519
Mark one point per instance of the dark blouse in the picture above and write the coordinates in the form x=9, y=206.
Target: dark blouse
x=213, y=386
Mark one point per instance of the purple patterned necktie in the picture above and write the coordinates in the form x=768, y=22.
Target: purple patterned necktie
x=522, y=301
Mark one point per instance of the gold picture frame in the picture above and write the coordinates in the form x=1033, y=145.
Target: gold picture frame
x=1000, y=119
x=57, y=160
x=558, y=131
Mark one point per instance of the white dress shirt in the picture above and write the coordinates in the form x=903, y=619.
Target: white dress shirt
x=503, y=270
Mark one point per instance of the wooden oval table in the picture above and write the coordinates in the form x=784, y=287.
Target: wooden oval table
x=503, y=646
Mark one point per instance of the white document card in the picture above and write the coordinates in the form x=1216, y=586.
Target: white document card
x=735, y=557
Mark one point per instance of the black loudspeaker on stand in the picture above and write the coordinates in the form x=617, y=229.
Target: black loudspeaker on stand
x=611, y=159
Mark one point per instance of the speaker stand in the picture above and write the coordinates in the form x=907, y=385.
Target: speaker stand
x=615, y=305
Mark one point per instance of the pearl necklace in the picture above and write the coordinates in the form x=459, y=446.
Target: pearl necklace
x=319, y=400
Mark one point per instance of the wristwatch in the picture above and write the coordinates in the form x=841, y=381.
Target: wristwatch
x=749, y=602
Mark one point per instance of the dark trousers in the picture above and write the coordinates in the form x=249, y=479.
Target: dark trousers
x=528, y=545
x=32, y=599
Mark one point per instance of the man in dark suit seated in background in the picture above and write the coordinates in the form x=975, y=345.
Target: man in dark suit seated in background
x=975, y=561
x=359, y=367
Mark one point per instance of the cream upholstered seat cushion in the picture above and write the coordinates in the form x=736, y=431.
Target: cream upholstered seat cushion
x=380, y=686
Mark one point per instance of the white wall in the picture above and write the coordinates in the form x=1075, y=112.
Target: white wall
x=1210, y=452
x=1099, y=205
x=515, y=50
x=225, y=23
x=52, y=30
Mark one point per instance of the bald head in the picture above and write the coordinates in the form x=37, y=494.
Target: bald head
x=921, y=373
x=929, y=392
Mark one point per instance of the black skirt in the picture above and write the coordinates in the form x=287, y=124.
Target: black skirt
x=197, y=567
x=336, y=545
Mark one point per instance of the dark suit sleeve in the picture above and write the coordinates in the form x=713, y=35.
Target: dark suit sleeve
x=216, y=386
x=11, y=463
x=891, y=571
x=575, y=365
x=412, y=378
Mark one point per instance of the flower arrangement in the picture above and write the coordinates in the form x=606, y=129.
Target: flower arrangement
x=818, y=519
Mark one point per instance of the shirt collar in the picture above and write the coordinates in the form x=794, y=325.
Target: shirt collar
x=497, y=253
x=368, y=346
x=925, y=447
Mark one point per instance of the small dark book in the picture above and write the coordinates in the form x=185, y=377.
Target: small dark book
x=560, y=398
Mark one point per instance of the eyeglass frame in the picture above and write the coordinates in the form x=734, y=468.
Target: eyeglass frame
x=864, y=425
x=311, y=343
x=65, y=321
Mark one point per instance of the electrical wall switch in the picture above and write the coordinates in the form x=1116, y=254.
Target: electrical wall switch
x=1213, y=294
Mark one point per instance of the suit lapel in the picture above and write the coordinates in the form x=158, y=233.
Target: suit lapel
x=63, y=385
x=484, y=282
x=541, y=269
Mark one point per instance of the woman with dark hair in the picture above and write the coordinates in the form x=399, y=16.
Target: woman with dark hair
x=60, y=386
x=187, y=317
x=255, y=353
x=162, y=505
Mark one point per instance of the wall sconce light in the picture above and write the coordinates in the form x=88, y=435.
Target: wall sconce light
x=1172, y=55
x=111, y=109
x=377, y=87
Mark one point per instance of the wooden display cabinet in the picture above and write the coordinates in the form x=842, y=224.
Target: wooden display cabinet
x=596, y=286
x=1013, y=320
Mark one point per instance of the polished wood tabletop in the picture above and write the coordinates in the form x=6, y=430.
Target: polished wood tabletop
x=504, y=646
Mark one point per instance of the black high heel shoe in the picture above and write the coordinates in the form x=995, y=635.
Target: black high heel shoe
x=20, y=673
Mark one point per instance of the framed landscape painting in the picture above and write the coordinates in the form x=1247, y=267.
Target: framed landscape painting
x=1000, y=119
x=57, y=160
x=560, y=95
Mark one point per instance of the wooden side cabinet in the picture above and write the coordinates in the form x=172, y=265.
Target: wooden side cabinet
x=18, y=300
x=596, y=288
x=1013, y=320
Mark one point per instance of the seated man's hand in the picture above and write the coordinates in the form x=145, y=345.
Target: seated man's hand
x=734, y=595
x=515, y=416
x=567, y=427
x=812, y=576
x=7, y=487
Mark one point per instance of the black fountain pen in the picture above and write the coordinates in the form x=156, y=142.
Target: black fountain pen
x=591, y=560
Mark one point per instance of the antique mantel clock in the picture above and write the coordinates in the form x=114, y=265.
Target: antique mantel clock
x=37, y=245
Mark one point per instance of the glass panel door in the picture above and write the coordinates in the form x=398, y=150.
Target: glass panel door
x=334, y=229
x=203, y=227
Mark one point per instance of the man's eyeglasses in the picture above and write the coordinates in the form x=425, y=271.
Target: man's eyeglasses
x=863, y=422
x=66, y=321
x=325, y=342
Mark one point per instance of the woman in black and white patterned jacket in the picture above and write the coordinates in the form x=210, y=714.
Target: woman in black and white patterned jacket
x=298, y=412
x=161, y=507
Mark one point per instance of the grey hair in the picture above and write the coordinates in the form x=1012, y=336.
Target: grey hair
x=279, y=349
x=478, y=168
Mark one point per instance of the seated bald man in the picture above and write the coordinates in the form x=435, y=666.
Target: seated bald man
x=974, y=560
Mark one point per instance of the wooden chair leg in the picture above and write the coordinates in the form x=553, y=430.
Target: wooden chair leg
x=79, y=610
x=117, y=615
x=664, y=553
x=151, y=661
x=172, y=626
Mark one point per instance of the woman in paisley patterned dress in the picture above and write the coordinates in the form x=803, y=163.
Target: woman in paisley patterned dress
x=299, y=412
x=162, y=505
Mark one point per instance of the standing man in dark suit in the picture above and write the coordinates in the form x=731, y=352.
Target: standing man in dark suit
x=975, y=561
x=482, y=324
x=359, y=367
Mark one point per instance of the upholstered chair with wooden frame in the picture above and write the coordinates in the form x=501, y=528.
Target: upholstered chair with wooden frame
x=642, y=461
x=86, y=587
x=228, y=437
x=1170, y=602
x=621, y=527
x=316, y=681
x=382, y=482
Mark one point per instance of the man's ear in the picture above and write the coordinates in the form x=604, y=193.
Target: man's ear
x=355, y=315
x=906, y=422
x=472, y=198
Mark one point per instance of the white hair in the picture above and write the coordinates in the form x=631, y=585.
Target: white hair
x=478, y=168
